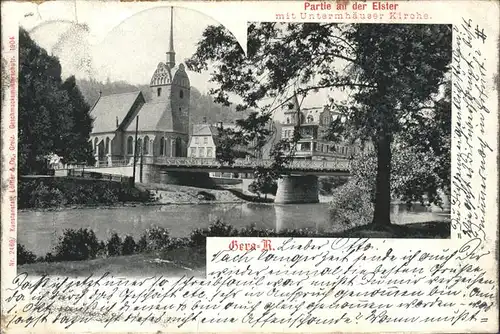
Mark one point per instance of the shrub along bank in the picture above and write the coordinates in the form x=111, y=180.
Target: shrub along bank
x=82, y=244
x=49, y=192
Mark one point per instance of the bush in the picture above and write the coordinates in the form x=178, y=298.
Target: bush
x=129, y=246
x=351, y=205
x=154, y=239
x=24, y=256
x=328, y=184
x=77, y=245
x=114, y=245
x=218, y=229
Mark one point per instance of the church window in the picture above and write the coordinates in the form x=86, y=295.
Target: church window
x=162, y=146
x=107, y=145
x=146, y=145
x=181, y=94
x=139, y=146
x=158, y=91
x=130, y=145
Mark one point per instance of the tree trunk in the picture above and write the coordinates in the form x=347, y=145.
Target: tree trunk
x=381, y=216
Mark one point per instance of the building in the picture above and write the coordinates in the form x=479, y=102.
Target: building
x=202, y=141
x=162, y=124
x=313, y=123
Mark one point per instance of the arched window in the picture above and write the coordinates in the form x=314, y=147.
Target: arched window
x=139, y=146
x=107, y=145
x=181, y=94
x=178, y=147
x=158, y=91
x=146, y=145
x=130, y=145
x=162, y=146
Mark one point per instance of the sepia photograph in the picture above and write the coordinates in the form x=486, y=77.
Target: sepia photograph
x=140, y=147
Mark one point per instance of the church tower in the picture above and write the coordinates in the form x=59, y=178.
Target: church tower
x=170, y=85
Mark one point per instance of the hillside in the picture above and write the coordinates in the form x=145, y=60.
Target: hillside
x=201, y=106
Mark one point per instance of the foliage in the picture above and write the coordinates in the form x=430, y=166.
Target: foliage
x=77, y=245
x=51, y=113
x=393, y=73
x=24, y=256
x=415, y=175
x=154, y=239
x=351, y=204
x=264, y=183
x=114, y=245
x=217, y=229
x=129, y=246
x=328, y=184
x=57, y=192
x=78, y=147
x=228, y=142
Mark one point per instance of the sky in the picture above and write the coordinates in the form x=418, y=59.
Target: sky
x=130, y=50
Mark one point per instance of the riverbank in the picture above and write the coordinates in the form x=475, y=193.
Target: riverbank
x=186, y=256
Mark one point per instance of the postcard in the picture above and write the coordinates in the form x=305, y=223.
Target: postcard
x=234, y=166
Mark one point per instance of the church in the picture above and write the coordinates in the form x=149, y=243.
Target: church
x=161, y=125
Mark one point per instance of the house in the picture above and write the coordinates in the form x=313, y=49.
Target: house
x=313, y=122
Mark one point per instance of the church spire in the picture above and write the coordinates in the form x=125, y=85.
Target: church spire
x=171, y=52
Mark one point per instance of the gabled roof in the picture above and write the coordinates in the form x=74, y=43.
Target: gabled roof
x=153, y=116
x=202, y=130
x=112, y=109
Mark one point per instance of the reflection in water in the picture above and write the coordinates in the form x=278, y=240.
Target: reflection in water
x=39, y=231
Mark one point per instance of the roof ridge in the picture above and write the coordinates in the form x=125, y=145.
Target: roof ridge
x=115, y=94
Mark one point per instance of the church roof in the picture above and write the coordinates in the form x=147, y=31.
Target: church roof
x=111, y=108
x=153, y=116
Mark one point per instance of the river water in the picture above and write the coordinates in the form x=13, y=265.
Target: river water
x=39, y=231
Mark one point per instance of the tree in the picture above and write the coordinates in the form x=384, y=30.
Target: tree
x=392, y=73
x=43, y=116
x=53, y=118
x=78, y=146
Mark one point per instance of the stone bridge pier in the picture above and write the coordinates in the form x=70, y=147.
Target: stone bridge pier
x=297, y=189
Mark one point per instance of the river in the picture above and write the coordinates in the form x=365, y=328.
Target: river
x=39, y=230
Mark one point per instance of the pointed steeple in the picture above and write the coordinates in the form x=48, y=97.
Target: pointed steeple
x=171, y=53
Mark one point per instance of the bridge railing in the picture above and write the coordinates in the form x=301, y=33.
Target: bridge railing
x=338, y=164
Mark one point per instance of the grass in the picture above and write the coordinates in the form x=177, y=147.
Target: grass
x=179, y=262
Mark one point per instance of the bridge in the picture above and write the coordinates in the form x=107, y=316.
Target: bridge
x=299, y=184
x=338, y=167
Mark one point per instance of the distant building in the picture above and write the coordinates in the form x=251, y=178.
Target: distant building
x=163, y=123
x=313, y=124
x=202, y=141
